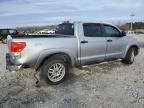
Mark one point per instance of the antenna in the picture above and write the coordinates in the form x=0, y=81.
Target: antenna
x=131, y=16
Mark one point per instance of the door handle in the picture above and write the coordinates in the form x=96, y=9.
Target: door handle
x=109, y=40
x=84, y=41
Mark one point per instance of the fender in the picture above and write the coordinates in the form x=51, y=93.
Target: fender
x=128, y=47
x=132, y=42
x=46, y=53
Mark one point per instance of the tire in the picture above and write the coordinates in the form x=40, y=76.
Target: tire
x=54, y=70
x=130, y=56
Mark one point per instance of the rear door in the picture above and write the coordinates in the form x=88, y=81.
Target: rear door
x=92, y=43
x=115, y=42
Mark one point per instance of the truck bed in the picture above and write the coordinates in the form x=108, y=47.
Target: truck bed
x=39, y=46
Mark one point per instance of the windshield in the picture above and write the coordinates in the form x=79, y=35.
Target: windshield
x=65, y=29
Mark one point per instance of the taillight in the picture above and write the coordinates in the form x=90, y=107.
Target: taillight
x=17, y=46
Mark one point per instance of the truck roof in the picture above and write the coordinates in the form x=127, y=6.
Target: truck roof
x=94, y=22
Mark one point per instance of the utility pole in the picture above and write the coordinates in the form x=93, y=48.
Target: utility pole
x=131, y=26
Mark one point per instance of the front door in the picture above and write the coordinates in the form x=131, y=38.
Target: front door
x=115, y=42
x=93, y=44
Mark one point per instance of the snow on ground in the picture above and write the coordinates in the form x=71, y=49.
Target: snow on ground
x=112, y=85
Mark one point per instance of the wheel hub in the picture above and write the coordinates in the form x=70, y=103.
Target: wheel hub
x=56, y=72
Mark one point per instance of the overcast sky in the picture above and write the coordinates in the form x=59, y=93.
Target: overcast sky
x=41, y=12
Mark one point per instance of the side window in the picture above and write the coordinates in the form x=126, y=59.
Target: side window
x=111, y=31
x=12, y=31
x=65, y=29
x=92, y=30
x=4, y=32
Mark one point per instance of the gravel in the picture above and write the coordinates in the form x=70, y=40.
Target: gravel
x=111, y=85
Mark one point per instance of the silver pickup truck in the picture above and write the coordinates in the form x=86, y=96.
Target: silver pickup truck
x=73, y=45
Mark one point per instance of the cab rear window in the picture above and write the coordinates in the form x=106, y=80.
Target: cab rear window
x=65, y=29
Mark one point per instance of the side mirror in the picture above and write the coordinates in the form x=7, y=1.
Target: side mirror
x=123, y=33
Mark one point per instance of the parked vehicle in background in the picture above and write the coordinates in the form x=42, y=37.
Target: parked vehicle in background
x=74, y=45
x=5, y=32
x=45, y=31
x=130, y=33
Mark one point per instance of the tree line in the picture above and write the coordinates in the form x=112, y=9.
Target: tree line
x=136, y=25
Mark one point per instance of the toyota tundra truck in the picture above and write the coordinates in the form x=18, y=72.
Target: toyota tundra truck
x=73, y=45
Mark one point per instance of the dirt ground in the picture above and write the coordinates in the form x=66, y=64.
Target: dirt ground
x=111, y=85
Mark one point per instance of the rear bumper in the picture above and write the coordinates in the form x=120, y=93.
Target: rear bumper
x=10, y=65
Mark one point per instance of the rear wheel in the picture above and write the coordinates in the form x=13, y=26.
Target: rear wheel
x=54, y=70
x=130, y=56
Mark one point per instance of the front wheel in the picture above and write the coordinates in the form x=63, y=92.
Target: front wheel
x=130, y=56
x=54, y=71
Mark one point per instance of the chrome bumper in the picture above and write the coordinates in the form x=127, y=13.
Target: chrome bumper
x=10, y=65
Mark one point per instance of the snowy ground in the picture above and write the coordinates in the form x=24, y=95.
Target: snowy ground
x=112, y=85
